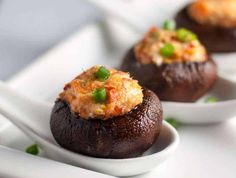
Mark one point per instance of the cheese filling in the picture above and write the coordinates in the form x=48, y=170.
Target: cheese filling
x=179, y=48
x=215, y=12
x=122, y=94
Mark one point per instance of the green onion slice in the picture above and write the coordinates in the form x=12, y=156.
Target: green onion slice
x=185, y=35
x=169, y=25
x=100, y=95
x=102, y=74
x=33, y=149
x=211, y=99
x=167, y=50
x=173, y=122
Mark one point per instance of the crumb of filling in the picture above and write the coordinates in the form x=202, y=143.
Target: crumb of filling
x=123, y=94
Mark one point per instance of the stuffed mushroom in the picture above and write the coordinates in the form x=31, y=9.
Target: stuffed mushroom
x=213, y=21
x=172, y=63
x=105, y=113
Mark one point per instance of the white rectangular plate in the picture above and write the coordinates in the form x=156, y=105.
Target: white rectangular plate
x=205, y=151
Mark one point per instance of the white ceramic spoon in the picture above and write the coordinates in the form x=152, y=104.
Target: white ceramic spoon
x=201, y=112
x=32, y=117
x=123, y=13
x=142, y=14
x=37, y=167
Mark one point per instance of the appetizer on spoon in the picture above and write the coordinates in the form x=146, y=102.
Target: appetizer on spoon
x=213, y=21
x=105, y=113
x=172, y=63
x=107, y=137
x=177, y=67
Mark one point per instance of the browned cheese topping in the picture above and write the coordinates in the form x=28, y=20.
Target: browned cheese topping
x=90, y=97
x=215, y=12
x=161, y=46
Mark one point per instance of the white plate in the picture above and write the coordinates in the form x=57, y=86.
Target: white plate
x=205, y=151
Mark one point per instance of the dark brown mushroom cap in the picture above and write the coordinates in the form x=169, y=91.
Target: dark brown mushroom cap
x=119, y=137
x=180, y=81
x=215, y=38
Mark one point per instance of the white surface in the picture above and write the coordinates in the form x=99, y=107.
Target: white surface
x=205, y=150
x=33, y=118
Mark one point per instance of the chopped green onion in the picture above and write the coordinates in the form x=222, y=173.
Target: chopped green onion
x=185, y=35
x=100, y=95
x=167, y=50
x=33, y=149
x=169, y=25
x=173, y=122
x=102, y=74
x=211, y=99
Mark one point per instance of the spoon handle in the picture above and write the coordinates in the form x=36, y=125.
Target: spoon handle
x=28, y=166
x=25, y=113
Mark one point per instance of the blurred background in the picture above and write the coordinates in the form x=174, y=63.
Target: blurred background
x=29, y=28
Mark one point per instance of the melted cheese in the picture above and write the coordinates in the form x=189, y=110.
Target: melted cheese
x=215, y=12
x=148, y=50
x=123, y=94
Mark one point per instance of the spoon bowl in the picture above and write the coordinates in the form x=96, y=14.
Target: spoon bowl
x=33, y=118
x=153, y=157
x=201, y=112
